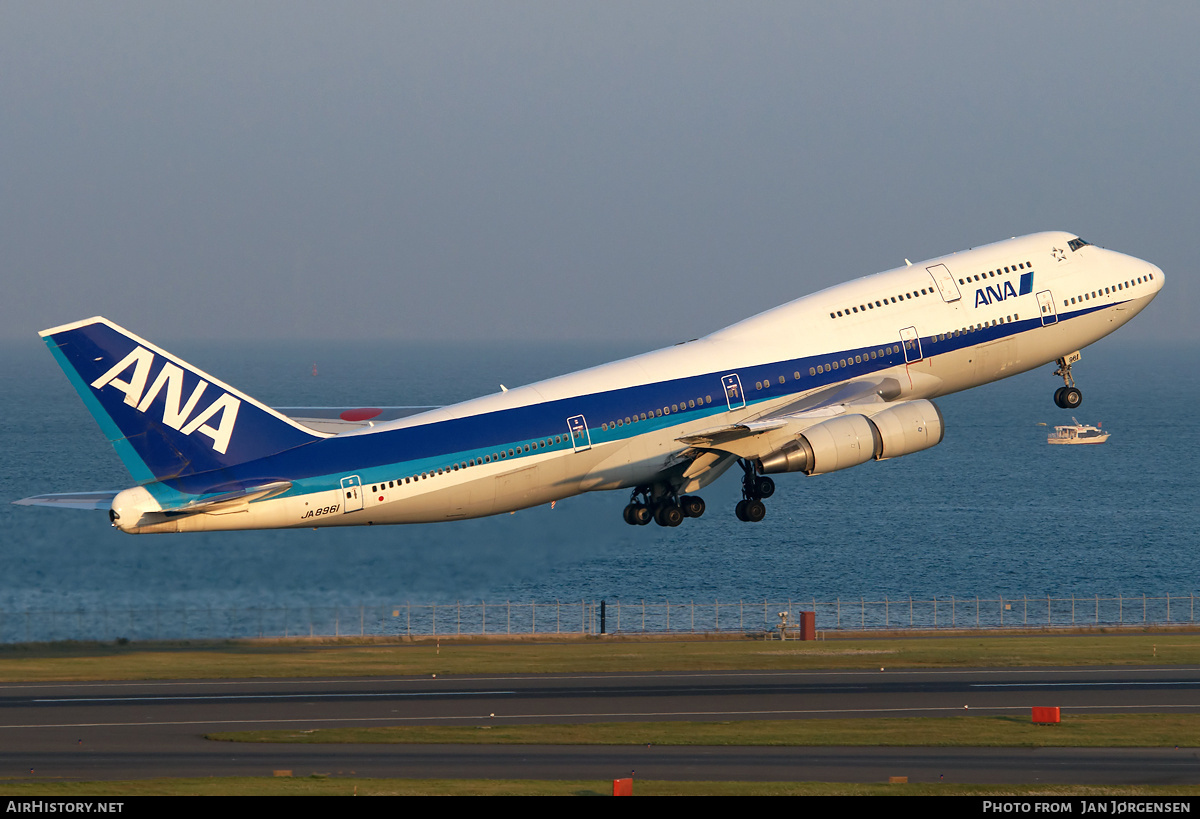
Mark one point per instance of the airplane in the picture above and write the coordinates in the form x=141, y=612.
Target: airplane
x=822, y=383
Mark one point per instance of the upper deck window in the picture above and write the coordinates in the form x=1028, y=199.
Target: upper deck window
x=1075, y=244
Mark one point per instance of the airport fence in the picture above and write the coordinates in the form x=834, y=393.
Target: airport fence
x=595, y=617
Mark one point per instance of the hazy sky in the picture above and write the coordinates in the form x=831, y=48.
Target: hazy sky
x=646, y=170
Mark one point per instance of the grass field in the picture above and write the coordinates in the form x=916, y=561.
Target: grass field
x=329, y=786
x=349, y=658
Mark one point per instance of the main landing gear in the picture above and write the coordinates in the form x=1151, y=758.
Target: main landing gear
x=660, y=504
x=1067, y=396
x=663, y=507
x=754, y=488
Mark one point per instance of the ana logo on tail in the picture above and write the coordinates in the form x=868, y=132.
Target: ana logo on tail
x=176, y=414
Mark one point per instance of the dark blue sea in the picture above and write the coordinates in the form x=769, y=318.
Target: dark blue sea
x=992, y=511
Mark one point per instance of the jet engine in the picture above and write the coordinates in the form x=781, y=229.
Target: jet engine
x=849, y=440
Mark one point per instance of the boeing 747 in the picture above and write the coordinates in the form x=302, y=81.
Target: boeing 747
x=819, y=384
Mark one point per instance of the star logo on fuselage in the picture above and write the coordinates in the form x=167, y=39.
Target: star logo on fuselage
x=1059, y=254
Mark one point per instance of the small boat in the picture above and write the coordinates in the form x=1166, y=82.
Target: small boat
x=1077, y=433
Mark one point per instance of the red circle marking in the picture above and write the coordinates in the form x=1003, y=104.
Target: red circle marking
x=365, y=414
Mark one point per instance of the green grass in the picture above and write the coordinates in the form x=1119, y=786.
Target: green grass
x=337, y=786
x=29, y=663
x=349, y=658
x=1082, y=731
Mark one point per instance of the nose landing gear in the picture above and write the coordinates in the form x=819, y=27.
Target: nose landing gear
x=1067, y=396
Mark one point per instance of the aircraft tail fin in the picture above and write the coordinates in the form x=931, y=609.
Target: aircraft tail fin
x=165, y=418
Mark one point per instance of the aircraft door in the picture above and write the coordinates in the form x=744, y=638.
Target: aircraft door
x=352, y=494
x=944, y=280
x=1046, y=305
x=581, y=439
x=732, y=386
x=912, y=345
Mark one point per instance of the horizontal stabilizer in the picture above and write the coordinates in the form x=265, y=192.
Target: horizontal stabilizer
x=94, y=501
x=234, y=498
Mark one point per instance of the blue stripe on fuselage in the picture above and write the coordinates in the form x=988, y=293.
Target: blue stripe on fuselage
x=388, y=454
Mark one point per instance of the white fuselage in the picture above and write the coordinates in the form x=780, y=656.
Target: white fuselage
x=935, y=327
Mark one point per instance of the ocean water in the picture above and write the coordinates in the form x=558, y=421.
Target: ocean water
x=993, y=510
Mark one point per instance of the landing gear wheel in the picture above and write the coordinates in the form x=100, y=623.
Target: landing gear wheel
x=754, y=488
x=637, y=514
x=668, y=515
x=1067, y=396
x=692, y=506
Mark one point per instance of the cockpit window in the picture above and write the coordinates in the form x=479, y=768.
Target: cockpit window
x=1075, y=244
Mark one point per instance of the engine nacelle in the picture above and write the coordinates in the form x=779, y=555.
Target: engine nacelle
x=909, y=427
x=838, y=443
x=849, y=440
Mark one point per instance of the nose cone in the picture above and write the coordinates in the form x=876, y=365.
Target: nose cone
x=1156, y=277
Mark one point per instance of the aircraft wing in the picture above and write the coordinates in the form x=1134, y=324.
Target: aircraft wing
x=347, y=419
x=757, y=437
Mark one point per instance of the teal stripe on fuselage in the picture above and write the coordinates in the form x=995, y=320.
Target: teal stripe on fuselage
x=381, y=456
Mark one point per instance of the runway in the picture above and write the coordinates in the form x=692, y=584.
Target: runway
x=127, y=730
